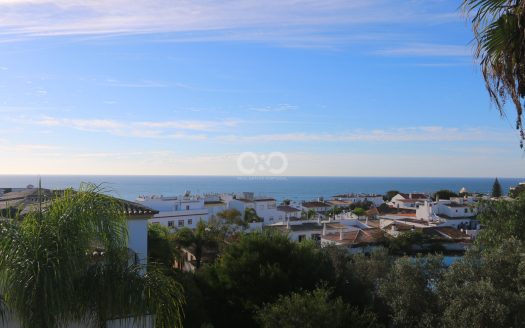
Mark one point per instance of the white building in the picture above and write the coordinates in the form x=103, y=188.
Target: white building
x=299, y=230
x=286, y=212
x=265, y=207
x=319, y=206
x=377, y=200
x=454, y=212
x=183, y=211
x=408, y=201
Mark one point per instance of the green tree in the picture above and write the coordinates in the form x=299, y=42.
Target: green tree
x=161, y=246
x=356, y=276
x=286, y=202
x=250, y=215
x=444, y=194
x=390, y=194
x=485, y=288
x=496, y=189
x=409, y=291
x=500, y=48
x=311, y=214
x=313, y=309
x=203, y=237
x=70, y=263
x=256, y=270
x=232, y=216
x=359, y=211
x=501, y=219
x=405, y=242
x=517, y=191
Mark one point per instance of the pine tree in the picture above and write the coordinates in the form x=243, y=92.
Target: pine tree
x=496, y=189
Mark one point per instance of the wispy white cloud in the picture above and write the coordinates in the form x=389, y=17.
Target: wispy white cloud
x=6, y=146
x=409, y=134
x=183, y=129
x=274, y=109
x=426, y=50
x=191, y=125
x=81, y=124
x=218, y=131
x=135, y=84
x=290, y=22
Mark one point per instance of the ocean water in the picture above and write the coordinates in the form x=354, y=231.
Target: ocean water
x=295, y=188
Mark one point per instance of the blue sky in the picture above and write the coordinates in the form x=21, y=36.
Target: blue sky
x=353, y=88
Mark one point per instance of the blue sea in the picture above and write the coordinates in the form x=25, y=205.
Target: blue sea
x=295, y=188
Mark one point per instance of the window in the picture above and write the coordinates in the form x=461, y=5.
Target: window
x=187, y=207
x=466, y=210
x=171, y=224
x=181, y=223
x=302, y=237
x=190, y=221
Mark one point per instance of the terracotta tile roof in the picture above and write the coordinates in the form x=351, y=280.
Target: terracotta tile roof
x=133, y=209
x=314, y=204
x=446, y=232
x=357, y=237
x=339, y=202
x=399, y=226
x=287, y=209
x=244, y=200
x=372, y=212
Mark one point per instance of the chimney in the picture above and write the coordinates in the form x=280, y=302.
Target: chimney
x=340, y=234
x=324, y=229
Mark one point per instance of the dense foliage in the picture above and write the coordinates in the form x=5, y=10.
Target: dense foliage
x=314, y=309
x=264, y=279
x=255, y=270
x=501, y=220
x=70, y=262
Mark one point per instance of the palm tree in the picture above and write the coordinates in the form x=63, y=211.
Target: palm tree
x=199, y=239
x=499, y=31
x=69, y=262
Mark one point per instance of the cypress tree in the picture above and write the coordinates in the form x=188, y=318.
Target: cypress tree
x=496, y=189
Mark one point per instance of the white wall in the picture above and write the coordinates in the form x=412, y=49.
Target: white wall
x=138, y=238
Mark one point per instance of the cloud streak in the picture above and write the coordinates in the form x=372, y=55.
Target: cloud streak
x=218, y=131
x=409, y=134
x=287, y=22
x=426, y=50
x=183, y=129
